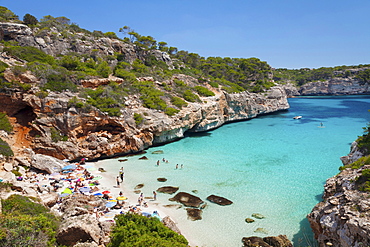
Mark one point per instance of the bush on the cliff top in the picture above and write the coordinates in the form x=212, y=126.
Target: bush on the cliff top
x=363, y=142
x=137, y=230
x=5, y=149
x=25, y=223
x=30, y=54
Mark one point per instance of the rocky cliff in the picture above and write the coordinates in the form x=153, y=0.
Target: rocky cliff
x=343, y=217
x=95, y=135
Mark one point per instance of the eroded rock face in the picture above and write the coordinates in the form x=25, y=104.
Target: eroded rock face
x=343, y=217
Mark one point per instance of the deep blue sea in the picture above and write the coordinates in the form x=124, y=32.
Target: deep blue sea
x=273, y=165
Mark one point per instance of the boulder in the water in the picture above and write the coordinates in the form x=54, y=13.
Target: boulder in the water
x=258, y=216
x=157, y=152
x=122, y=160
x=219, y=200
x=168, y=189
x=100, y=169
x=161, y=179
x=194, y=213
x=187, y=199
x=143, y=158
x=249, y=220
x=139, y=186
x=281, y=240
x=254, y=241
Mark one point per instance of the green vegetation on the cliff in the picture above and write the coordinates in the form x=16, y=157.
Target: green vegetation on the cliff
x=137, y=230
x=363, y=144
x=26, y=223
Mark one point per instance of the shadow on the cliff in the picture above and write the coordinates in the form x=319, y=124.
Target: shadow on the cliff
x=197, y=134
x=305, y=236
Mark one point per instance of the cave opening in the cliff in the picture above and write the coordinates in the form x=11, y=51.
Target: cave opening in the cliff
x=25, y=116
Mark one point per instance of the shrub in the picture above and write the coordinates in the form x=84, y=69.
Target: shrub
x=357, y=164
x=102, y=99
x=4, y=123
x=30, y=54
x=138, y=230
x=3, y=66
x=190, y=96
x=56, y=136
x=25, y=223
x=204, y=91
x=5, y=149
x=150, y=96
x=171, y=111
x=214, y=84
x=138, y=118
x=176, y=101
x=179, y=83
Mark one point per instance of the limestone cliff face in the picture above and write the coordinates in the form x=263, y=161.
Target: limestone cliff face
x=335, y=86
x=95, y=135
x=343, y=217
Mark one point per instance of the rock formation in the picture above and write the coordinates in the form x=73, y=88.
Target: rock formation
x=273, y=241
x=187, y=199
x=168, y=189
x=343, y=217
x=219, y=200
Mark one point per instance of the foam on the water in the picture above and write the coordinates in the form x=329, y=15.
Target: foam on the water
x=272, y=165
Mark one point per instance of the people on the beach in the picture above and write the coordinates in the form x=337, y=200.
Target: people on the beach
x=118, y=182
x=154, y=195
x=177, y=166
x=157, y=162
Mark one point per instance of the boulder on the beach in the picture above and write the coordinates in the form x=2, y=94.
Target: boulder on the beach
x=168, y=189
x=258, y=216
x=187, y=199
x=122, y=160
x=139, y=186
x=161, y=179
x=49, y=199
x=249, y=220
x=47, y=163
x=137, y=191
x=219, y=200
x=194, y=213
x=143, y=158
x=82, y=228
x=158, y=152
x=279, y=241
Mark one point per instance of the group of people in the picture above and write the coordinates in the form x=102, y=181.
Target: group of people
x=119, y=178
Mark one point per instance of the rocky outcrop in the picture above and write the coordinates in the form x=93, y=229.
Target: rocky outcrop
x=168, y=189
x=343, y=217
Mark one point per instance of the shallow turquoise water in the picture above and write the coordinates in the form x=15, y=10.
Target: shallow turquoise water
x=272, y=165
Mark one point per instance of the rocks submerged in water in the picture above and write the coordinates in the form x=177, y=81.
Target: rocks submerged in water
x=123, y=160
x=161, y=179
x=168, y=189
x=100, y=169
x=275, y=241
x=187, y=199
x=194, y=213
x=158, y=152
x=143, y=158
x=219, y=200
x=139, y=186
x=258, y=216
x=261, y=230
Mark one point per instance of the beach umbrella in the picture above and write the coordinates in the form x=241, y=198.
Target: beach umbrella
x=97, y=177
x=111, y=200
x=91, y=169
x=110, y=204
x=88, y=166
x=106, y=192
x=67, y=191
x=69, y=167
x=98, y=194
x=84, y=189
x=121, y=198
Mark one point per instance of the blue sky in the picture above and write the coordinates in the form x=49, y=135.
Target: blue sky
x=284, y=33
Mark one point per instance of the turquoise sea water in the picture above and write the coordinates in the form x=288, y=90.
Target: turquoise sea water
x=272, y=165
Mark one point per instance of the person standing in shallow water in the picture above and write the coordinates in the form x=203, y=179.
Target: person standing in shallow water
x=154, y=195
